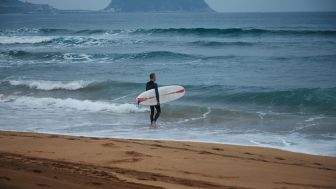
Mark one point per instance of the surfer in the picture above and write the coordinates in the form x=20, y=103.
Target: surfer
x=152, y=85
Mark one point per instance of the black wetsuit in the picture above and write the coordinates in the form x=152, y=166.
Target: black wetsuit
x=152, y=85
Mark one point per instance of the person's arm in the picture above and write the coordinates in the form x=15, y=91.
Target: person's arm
x=157, y=94
x=147, y=87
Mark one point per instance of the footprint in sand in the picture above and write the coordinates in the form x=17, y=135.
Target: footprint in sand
x=37, y=171
x=43, y=185
x=108, y=144
x=218, y=149
x=5, y=178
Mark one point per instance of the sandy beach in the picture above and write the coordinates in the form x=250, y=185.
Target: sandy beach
x=29, y=160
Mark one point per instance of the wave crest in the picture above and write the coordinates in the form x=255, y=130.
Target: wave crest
x=24, y=39
x=219, y=43
x=89, y=57
x=232, y=31
x=72, y=104
x=50, y=85
x=176, y=31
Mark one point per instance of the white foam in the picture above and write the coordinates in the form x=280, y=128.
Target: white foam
x=261, y=115
x=304, y=126
x=72, y=56
x=255, y=142
x=314, y=118
x=20, y=31
x=204, y=116
x=73, y=104
x=285, y=142
x=310, y=122
x=51, y=85
x=24, y=39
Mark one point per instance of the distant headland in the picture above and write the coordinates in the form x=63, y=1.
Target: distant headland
x=158, y=6
x=20, y=6
x=16, y=6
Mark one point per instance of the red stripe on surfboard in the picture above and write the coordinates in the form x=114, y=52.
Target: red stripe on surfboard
x=140, y=100
x=144, y=99
x=180, y=91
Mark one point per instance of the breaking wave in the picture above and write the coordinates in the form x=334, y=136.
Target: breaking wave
x=24, y=39
x=176, y=31
x=84, y=57
x=321, y=99
x=50, y=85
x=233, y=31
x=71, y=104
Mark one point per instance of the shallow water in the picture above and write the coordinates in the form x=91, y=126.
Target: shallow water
x=251, y=79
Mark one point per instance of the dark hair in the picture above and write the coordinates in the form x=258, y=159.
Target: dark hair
x=151, y=76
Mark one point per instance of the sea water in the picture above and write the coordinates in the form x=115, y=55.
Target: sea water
x=260, y=79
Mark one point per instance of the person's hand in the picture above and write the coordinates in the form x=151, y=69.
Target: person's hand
x=158, y=103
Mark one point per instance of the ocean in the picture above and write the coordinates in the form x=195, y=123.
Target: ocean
x=256, y=79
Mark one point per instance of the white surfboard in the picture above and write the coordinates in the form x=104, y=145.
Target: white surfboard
x=166, y=94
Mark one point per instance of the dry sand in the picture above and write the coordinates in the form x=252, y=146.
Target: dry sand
x=29, y=160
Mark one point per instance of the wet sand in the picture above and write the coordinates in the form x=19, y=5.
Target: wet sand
x=29, y=160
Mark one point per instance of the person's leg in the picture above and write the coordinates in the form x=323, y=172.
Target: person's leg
x=158, y=112
x=152, y=114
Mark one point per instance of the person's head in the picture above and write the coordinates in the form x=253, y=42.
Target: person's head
x=152, y=77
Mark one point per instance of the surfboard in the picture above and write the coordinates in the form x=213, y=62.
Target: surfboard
x=166, y=94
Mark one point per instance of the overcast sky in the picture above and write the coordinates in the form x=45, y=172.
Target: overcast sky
x=218, y=5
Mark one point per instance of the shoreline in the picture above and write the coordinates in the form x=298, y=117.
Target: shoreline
x=172, y=140
x=34, y=160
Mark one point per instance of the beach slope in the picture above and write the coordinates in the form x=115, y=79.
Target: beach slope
x=29, y=160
